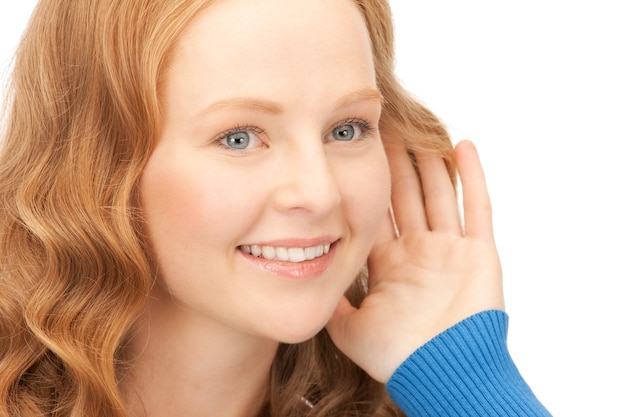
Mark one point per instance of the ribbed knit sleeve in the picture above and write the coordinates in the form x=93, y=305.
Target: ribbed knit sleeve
x=465, y=371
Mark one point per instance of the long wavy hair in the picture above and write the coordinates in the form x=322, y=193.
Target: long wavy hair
x=81, y=122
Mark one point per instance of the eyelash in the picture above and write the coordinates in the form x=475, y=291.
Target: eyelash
x=239, y=128
x=364, y=125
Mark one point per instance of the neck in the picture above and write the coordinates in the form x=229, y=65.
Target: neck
x=192, y=366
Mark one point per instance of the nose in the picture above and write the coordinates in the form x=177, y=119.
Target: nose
x=308, y=183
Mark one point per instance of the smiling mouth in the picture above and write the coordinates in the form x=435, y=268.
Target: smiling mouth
x=287, y=254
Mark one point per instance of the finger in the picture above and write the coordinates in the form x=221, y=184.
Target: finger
x=476, y=202
x=439, y=194
x=338, y=324
x=386, y=232
x=386, y=235
x=406, y=192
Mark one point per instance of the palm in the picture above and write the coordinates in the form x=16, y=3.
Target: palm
x=432, y=275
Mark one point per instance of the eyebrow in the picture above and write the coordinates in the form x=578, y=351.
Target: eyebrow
x=358, y=96
x=243, y=103
x=265, y=106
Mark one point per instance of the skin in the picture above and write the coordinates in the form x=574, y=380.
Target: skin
x=215, y=317
x=433, y=275
x=294, y=185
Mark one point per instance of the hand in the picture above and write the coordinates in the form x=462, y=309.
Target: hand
x=433, y=275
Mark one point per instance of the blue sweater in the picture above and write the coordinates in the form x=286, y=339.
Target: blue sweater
x=465, y=371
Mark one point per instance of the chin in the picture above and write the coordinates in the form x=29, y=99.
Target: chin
x=295, y=338
x=297, y=331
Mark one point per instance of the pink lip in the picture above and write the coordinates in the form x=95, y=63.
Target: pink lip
x=298, y=271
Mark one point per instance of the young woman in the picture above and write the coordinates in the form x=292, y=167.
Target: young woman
x=213, y=208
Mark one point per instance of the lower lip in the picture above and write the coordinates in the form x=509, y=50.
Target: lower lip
x=297, y=271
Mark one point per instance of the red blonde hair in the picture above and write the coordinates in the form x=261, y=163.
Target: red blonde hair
x=83, y=116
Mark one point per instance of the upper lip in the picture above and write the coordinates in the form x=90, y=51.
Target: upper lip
x=296, y=242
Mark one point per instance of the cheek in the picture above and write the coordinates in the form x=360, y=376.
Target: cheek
x=367, y=192
x=185, y=204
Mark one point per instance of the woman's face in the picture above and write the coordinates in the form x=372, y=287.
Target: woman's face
x=269, y=181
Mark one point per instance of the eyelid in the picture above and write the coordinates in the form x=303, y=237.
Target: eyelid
x=240, y=128
x=367, y=127
x=357, y=121
x=257, y=131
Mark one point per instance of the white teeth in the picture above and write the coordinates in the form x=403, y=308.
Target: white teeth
x=268, y=252
x=310, y=253
x=296, y=254
x=287, y=254
x=282, y=254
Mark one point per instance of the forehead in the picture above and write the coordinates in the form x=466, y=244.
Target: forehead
x=268, y=21
x=252, y=43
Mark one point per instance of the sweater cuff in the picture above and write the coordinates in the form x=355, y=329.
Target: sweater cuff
x=466, y=370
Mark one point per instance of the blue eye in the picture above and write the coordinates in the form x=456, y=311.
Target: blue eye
x=345, y=132
x=241, y=138
x=237, y=140
x=350, y=130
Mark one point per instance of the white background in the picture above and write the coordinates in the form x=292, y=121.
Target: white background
x=540, y=87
